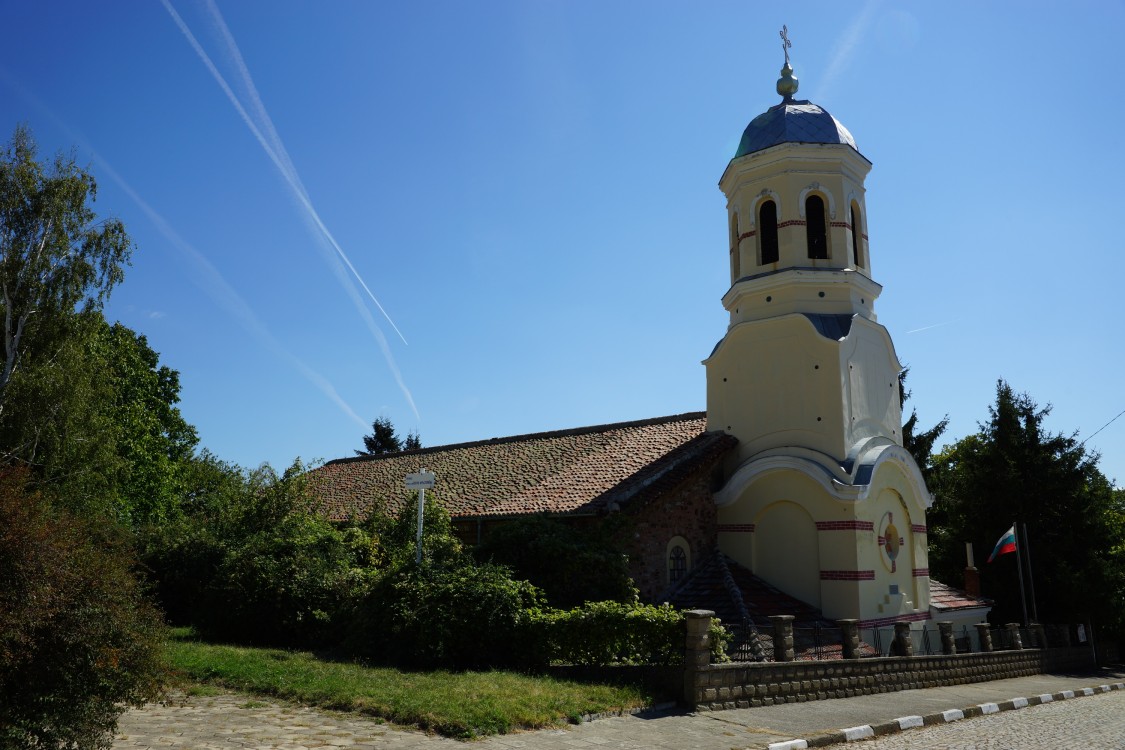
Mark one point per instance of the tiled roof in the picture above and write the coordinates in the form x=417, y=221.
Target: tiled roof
x=575, y=471
x=947, y=598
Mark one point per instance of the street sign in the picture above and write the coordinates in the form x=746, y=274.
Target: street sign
x=423, y=480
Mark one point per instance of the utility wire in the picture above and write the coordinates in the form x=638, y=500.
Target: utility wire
x=1107, y=424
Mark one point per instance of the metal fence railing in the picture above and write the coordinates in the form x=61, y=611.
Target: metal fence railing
x=822, y=642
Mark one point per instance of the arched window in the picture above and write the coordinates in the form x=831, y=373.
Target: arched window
x=677, y=564
x=816, y=228
x=767, y=232
x=857, y=237
x=735, y=271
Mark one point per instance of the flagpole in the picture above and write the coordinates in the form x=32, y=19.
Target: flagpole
x=1030, y=577
x=1019, y=567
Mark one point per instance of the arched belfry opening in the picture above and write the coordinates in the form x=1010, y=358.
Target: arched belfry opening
x=816, y=228
x=767, y=233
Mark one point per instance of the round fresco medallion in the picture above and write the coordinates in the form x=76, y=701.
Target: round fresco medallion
x=890, y=541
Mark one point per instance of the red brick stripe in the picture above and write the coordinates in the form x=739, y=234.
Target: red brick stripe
x=847, y=575
x=918, y=528
x=736, y=527
x=920, y=572
x=845, y=525
x=747, y=235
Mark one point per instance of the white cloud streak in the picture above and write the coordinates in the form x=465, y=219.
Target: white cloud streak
x=845, y=47
x=228, y=298
x=214, y=284
x=271, y=143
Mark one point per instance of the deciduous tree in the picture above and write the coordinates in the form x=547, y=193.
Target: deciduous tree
x=55, y=255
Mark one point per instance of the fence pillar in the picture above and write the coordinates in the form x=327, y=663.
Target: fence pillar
x=783, y=637
x=850, y=632
x=1039, y=635
x=902, y=645
x=948, y=645
x=984, y=632
x=1013, y=629
x=697, y=653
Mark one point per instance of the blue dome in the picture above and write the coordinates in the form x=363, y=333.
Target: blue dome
x=792, y=122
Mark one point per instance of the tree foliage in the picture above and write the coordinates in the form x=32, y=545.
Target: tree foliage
x=97, y=421
x=78, y=640
x=252, y=561
x=384, y=439
x=917, y=441
x=55, y=257
x=1013, y=469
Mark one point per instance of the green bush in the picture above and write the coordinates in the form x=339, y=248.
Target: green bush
x=279, y=587
x=464, y=617
x=603, y=633
x=78, y=641
x=252, y=562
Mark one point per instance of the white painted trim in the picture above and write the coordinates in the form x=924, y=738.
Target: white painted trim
x=816, y=467
x=761, y=198
x=854, y=734
x=816, y=187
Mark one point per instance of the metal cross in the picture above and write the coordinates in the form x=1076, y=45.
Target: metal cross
x=785, y=43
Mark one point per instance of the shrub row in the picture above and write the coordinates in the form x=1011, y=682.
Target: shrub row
x=255, y=565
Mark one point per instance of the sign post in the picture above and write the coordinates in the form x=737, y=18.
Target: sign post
x=421, y=481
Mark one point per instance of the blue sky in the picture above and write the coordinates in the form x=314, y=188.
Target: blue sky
x=528, y=189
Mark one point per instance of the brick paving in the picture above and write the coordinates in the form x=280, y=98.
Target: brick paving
x=238, y=721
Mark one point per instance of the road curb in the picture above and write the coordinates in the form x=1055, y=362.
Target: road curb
x=866, y=731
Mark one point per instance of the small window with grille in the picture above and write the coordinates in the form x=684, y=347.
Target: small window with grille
x=677, y=564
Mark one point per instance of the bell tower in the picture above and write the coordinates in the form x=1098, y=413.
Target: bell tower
x=807, y=379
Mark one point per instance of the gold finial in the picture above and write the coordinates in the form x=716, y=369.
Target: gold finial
x=787, y=84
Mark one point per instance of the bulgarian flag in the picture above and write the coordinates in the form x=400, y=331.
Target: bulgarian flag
x=1006, y=544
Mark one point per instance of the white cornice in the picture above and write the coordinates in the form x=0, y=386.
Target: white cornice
x=799, y=277
x=847, y=486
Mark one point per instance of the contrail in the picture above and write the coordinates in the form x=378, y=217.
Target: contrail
x=272, y=144
x=218, y=288
x=227, y=297
x=935, y=325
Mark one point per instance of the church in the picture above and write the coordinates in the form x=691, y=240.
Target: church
x=792, y=493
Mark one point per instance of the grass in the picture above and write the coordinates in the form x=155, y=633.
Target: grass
x=455, y=704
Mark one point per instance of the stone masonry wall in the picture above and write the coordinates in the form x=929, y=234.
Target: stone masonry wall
x=719, y=686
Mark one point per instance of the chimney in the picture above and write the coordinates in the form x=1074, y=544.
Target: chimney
x=972, y=575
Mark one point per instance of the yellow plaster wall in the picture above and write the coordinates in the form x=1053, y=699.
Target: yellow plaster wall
x=753, y=380
x=787, y=551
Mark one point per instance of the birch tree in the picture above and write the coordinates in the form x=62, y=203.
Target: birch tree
x=56, y=257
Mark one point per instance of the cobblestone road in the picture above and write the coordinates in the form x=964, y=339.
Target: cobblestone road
x=1096, y=721
x=237, y=721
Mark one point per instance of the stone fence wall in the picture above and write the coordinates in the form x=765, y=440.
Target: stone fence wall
x=745, y=685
